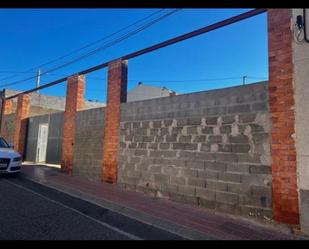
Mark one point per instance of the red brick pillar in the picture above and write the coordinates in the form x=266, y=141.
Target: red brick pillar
x=116, y=94
x=74, y=102
x=7, y=108
x=22, y=114
x=281, y=99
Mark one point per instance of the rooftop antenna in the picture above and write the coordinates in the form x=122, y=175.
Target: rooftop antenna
x=38, y=77
x=244, y=80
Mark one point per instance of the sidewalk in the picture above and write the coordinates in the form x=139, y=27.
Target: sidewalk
x=185, y=220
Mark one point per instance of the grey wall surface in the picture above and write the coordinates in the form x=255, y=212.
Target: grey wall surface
x=55, y=131
x=88, y=147
x=301, y=75
x=209, y=148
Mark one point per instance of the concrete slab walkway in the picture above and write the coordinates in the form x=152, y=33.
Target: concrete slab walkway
x=185, y=220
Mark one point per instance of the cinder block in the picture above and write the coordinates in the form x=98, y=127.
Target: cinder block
x=211, y=120
x=161, y=178
x=157, y=124
x=170, y=170
x=260, y=137
x=171, y=138
x=210, y=204
x=205, y=147
x=153, y=146
x=148, y=139
x=143, y=167
x=184, y=146
x=215, y=139
x=227, y=208
x=140, y=153
x=154, y=132
x=187, y=154
x=164, y=146
x=194, y=121
x=208, y=130
x=239, y=188
x=241, y=168
x=238, y=108
x=239, y=139
x=261, y=191
x=229, y=177
x=240, y=148
x=145, y=124
x=225, y=148
x=262, y=106
x=132, y=145
x=155, y=169
x=185, y=139
x=249, y=158
x=228, y=119
x=164, y=131
x=208, y=174
x=167, y=122
x=226, y=157
x=228, y=198
x=159, y=139
x=206, y=193
x=191, y=130
x=197, y=139
x=216, y=185
x=163, y=153
x=247, y=118
x=256, y=128
x=217, y=166
x=186, y=190
x=182, y=122
x=225, y=129
x=178, y=180
x=260, y=169
x=197, y=182
x=189, y=172
x=193, y=164
x=205, y=156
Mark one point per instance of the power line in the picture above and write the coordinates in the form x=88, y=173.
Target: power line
x=157, y=46
x=111, y=43
x=90, y=44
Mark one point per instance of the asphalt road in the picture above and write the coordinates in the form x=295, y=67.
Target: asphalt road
x=31, y=211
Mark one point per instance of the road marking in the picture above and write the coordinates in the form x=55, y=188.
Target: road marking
x=131, y=236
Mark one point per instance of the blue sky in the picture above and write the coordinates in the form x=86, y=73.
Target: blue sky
x=30, y=37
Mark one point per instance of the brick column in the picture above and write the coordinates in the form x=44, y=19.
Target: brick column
x=281, y=100
x=74, y=102
x=6, y=108
x=116, y=94
x=22, y=114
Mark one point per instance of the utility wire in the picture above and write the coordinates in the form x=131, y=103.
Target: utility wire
x=90, y=44
x=111, y=43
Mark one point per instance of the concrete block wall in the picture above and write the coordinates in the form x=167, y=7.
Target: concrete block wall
x=210, y=149
x=8, y=127
x=89, y=143
x=301, y=95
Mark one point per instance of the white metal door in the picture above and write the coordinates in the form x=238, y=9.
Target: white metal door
x=42, y=143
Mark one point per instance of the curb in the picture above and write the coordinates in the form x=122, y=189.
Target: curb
x=182, y=231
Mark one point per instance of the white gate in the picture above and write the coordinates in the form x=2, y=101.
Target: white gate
x=42, y=143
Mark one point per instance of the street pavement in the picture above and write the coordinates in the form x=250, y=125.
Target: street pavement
x=31, y=211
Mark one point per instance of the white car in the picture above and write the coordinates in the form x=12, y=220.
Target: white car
x=10, y=160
